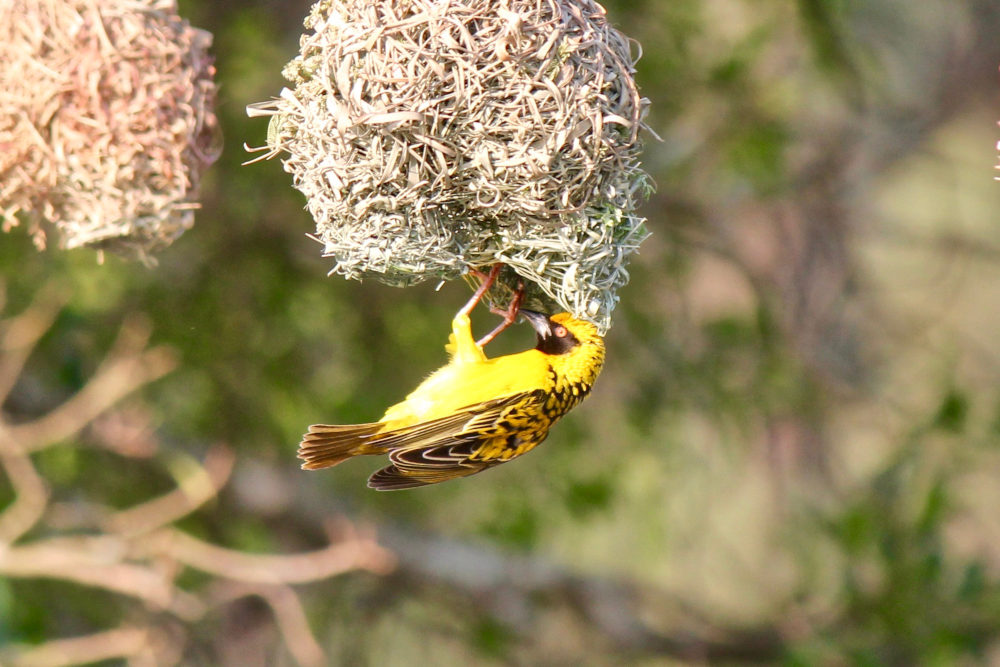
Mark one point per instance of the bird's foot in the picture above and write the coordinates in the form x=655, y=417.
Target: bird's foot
x=509, y=314
x=486, y=281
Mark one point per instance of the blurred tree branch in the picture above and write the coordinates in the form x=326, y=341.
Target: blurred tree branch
x=136, y=552
x=514, y=589
x=607, y=610
x=138, y=644
x=129, y=365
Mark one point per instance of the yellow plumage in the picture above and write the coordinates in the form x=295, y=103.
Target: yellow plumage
x=474, y=412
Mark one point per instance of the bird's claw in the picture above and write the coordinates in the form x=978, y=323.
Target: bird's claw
x=486, y=281
x=509, y=314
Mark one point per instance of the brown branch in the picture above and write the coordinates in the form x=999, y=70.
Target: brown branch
x=124, y=642
x=126, y=368
x=357, y=551
x=196, y=485
x=608, y=609
x=136, y=553
x=492, y=581
x=30, y=495
x=98, y=561
x=20, y=334
x=127, y=431
x=288, y=614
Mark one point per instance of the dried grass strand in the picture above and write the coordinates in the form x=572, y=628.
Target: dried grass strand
x=106, y=122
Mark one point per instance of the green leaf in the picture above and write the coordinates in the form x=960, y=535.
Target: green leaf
x=952, y=413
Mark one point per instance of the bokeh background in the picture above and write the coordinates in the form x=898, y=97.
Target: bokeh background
x=792, y=457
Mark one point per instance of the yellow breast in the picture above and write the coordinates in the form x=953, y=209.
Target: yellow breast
x=460, y=384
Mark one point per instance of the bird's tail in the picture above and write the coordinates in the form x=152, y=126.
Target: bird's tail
x=326, y=445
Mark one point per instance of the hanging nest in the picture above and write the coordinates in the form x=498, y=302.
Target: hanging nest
x=106, y=121
x=429, y=136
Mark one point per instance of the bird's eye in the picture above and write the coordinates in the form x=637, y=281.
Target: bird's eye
x=560, y=331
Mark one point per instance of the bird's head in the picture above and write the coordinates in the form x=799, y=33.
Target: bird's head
x=574, y=347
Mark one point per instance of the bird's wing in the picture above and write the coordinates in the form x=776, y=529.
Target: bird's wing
x=326, y=445
x=443, y=448
x=465, y=419
x=420, y=467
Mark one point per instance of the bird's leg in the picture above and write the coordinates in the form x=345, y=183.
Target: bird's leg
x=463, y=347
x=509, y=315
x=486, y=281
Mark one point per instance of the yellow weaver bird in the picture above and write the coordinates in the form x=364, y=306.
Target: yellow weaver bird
x=474, y=412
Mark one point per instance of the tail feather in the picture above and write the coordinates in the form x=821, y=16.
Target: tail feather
x=327, y=445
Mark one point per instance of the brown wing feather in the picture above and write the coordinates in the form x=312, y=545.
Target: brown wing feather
x=449, y=457
x=390, y=478
x=428, y=465
x=326, y=445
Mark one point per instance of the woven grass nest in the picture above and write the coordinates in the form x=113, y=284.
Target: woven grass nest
x=429, y=136
x=106, y=121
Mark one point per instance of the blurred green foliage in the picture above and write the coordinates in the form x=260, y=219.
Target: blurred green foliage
x=726, y=466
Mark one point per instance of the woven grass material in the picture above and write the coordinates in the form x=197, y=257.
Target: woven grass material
x=106, y=121
x=429, y=136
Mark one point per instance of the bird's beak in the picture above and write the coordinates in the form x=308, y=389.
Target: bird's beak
x=539, y=321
